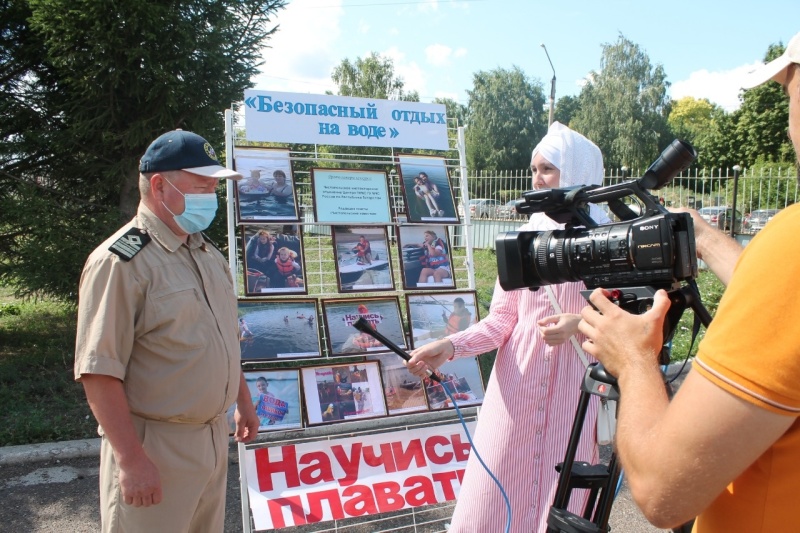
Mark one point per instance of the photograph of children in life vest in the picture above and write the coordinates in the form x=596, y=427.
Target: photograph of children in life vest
x=362, y=259
x=382, y=313
x=276, y=397
x=435, y=316
x=343, y=392
x=278, y=329
x=273, y=260
x=462, y=378
x=426, y=189
x=403, y=391
x=425, y=257
x=267, y=190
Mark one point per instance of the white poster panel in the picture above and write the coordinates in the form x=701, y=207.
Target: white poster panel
x=343, y=120
x=298, y=484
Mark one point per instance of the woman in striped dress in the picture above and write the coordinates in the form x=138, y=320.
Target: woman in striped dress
x=524, y=424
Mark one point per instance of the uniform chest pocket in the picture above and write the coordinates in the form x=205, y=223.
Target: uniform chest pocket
x=181, y=319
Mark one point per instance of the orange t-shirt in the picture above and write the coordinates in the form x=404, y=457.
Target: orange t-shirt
x=752, y=350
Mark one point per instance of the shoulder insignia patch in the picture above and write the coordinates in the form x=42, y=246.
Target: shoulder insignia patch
x=130, y=244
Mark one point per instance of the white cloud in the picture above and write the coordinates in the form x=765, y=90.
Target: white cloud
x=413, y=76
x=428, y=7
x=438, y=55
x=460, y=52
x=720, y=87
x=300, y=56
x=363, y=26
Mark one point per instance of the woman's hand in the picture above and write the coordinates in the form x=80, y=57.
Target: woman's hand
x=557, y=329
x=430, y=357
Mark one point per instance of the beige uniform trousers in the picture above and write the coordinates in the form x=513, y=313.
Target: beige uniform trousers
x=192, y=460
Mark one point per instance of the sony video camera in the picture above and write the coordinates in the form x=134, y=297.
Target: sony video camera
x=651, y=249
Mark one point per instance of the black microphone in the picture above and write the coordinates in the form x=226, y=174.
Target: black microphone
x=363, y=326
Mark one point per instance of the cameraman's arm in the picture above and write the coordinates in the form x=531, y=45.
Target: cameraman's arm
x=664, y=445
x=715, y=248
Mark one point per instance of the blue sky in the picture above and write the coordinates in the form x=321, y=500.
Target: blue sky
x=705, y=46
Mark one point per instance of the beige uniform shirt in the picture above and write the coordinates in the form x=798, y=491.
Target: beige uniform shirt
x=165, y=323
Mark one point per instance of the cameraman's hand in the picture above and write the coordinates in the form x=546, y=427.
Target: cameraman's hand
x=557, y=329
x=714, y=247
x=621, y=341
x=431, y=356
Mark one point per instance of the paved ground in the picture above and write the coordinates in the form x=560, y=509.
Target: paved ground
x=43, y=492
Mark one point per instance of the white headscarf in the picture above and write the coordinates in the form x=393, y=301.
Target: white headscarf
x=580, y=162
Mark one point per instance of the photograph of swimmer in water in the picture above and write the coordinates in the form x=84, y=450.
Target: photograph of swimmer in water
x=267, y=192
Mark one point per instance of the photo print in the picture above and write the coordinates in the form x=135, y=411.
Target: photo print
x=343, y=392
x=267, y=190
x=435, y=316
x=426, y=189
x=402, y=390
x=383, y=314
x=462, y=377
x=425, y=257
x=363, y=263
x=276, y=397
x=278, y=329
x=273, y=260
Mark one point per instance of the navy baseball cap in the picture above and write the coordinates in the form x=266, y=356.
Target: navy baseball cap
x=184, y=150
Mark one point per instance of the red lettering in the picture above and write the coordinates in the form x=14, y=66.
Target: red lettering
x=319, y=468
x=348, y=463
x=315, y=511
x=445, y=480
x=403, y=458
x=265, y=468
x=430, y=450
x=420, y=491
x=361, y=501
x=461, y=449
x=385, y=458
x=276, y=511
x=388, y=497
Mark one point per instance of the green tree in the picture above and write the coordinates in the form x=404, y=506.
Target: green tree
x=371, y=77
x=504, y=119
x=566, y=108
x=86, y=86
x=762, y=120
x=623, y=107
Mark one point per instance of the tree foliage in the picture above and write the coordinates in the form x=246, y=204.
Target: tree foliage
x=86, y=86
x=371, y=77
x=623, y=107
x=504, y=119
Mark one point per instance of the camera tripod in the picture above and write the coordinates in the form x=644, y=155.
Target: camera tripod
x=601, y=480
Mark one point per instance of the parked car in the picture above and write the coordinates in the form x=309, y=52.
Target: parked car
x=722, y=217
x=755, y=221
x=482, y=208
x=509, y=210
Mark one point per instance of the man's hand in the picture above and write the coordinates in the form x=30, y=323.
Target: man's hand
x=557, y=329
x=247, y=421
x=619, y=339
x=139, y=482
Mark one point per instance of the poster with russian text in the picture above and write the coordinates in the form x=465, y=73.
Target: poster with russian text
x=350, y=196
x=299, y=484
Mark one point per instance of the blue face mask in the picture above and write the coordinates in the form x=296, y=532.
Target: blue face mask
x=198, y=213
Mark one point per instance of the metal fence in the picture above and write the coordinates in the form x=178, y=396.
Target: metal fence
x=492, y=195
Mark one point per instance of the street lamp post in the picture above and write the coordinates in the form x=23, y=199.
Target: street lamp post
x=736, y=170
x=552, y=87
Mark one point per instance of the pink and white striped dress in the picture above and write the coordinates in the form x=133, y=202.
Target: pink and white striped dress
x=524, y=425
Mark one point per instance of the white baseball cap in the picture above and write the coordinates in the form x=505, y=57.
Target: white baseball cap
x=777, y=68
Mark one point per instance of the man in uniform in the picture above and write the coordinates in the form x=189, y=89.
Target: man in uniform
x=157, y=349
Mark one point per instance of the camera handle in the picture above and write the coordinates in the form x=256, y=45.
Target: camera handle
x=601, y=480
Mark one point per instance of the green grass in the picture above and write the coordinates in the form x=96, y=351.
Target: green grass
x=40, y=401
